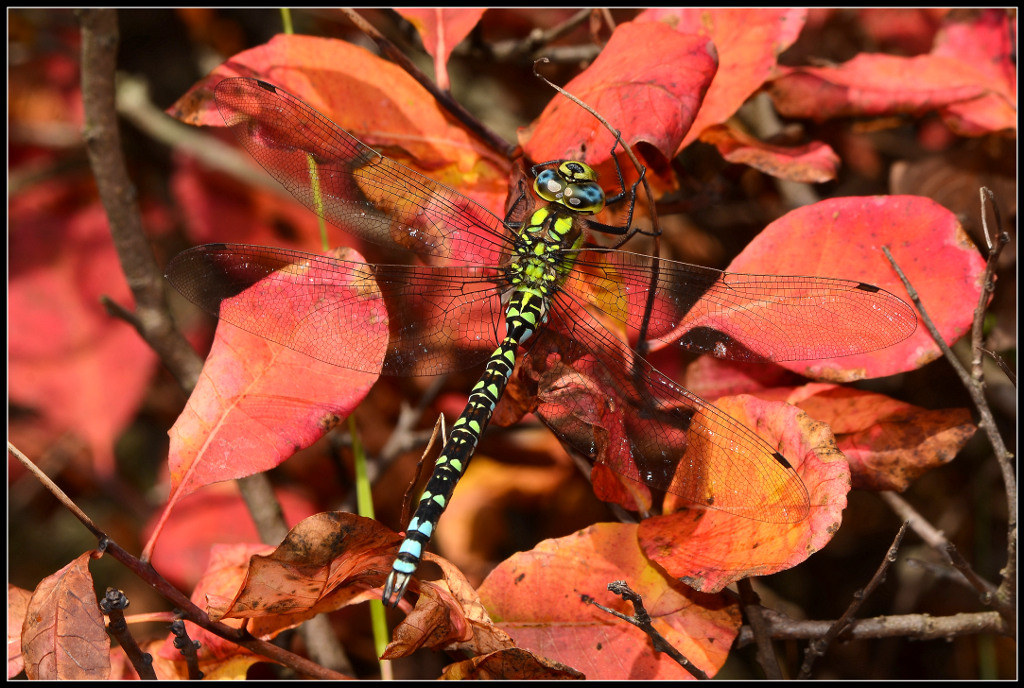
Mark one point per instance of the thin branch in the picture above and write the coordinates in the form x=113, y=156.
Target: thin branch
x=818, y=646
x=145, y=572
x=916, y=626
x=134, y=104
x=119, y=196
x=1007, y=593
x=751, y=605
x=188, y=648
x=526, y=48
x=151, y=317
x=113, y=605
x=947, y=550
x=642, y=620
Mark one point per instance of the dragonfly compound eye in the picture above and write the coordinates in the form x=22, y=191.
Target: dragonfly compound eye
x=585, y=198
x=549, y=185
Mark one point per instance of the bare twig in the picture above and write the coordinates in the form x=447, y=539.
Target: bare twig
x=642, y=620
x=916, y=626
x=526, y=48
x=818, y=646
x=751, y=604
x=1006, y=594
x=135, y=105
x=145, y=572
x=118, y=194
x=188, y=649
x=1003, y=365
x=113, y=605
x=151, y=317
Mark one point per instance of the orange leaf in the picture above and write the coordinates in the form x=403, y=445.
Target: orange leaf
x=541, y=598
x=327, y=561
x=710, y=549
x=374, y=100
x=889, y=443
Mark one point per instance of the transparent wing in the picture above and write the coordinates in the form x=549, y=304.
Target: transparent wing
x=738, y=316
x=360, y=190
x=612, y=406
x=435, y=319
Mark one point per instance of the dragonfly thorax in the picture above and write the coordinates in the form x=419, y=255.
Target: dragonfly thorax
x=544, y=251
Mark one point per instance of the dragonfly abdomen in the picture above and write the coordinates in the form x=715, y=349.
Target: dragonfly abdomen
x=525, y=312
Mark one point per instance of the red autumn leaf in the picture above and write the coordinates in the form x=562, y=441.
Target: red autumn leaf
x=813, y=163
x=64, y=636
x=710, y=378
x=257, y=402
x=648, y=82
x=441, y=29
x=888, y=443
x=843, y=238
x=217, y=515
x=984, y=41
x=710, y=549
x=79, y=367
x=874, y=85
x=223, y=210
x=748, y=42
x=374, y=100
x=541, y=597
x=969, y=77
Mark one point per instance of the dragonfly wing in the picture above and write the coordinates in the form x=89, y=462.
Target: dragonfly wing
x=352, y=186
x=609, y=404
x=435, y=319
x=738, y=316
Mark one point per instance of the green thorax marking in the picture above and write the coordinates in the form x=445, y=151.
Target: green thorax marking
x=545, y=250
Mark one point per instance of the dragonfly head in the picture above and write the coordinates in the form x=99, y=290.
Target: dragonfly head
x=572, y=184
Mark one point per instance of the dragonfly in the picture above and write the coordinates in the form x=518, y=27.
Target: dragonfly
x=472, y=288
